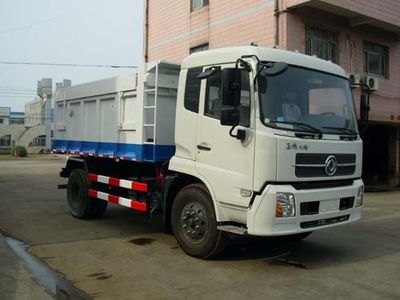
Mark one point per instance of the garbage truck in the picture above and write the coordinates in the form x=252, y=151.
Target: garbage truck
x=239, y=140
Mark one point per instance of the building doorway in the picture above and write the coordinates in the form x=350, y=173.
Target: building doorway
x=376, y=140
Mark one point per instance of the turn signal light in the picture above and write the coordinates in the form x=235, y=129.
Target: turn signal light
x=285, y=205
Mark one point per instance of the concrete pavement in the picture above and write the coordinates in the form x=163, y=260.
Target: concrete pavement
x=16, y=281
x=125, y=255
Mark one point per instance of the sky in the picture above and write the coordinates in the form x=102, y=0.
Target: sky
x=100, y=32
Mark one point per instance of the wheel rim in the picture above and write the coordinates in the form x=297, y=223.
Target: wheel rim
x=194, y=222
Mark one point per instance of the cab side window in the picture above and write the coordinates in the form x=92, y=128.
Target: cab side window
x=192, y=90
x=213, y=101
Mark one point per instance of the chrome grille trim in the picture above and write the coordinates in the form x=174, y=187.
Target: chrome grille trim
x=321, y=165
x=309, y=165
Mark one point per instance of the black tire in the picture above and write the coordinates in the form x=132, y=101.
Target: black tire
x=80, y=205
x=194, y=223
x=99, y=208
x=298, y=236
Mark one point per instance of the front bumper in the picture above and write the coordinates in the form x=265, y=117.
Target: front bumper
x=261, y=218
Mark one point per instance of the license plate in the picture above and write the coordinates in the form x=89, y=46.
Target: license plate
x=329, y=205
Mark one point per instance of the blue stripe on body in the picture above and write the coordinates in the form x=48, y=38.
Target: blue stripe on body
x=151, y=153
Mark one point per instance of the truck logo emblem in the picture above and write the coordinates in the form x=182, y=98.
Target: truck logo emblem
x=331, y=165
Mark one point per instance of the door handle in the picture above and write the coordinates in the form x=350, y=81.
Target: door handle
x=204, y=147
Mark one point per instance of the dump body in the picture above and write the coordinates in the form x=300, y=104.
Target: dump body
x=129, y=117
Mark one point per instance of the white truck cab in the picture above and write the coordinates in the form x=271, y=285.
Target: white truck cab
x=266, y=144
x=299, y=166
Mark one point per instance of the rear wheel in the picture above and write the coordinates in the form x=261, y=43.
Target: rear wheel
x=80, y=205
x=194, y=223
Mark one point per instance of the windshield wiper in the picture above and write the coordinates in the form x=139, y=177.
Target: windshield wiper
x=310, y=128
x=342, y=129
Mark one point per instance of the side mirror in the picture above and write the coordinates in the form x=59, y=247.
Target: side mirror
x=230, y=117
x=209, y=72
x=275, y=69
x=269, y=70
x=231, y=86
x=364, y=108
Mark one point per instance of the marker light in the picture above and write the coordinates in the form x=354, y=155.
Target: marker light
x=360, y=196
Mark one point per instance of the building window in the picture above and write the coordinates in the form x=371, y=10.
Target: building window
x=213, y=104
x=322, y=43
x=5, y=141
x=376, y=59
x=199, y=48
x=1, y=121
x=192, y=89
x=17, y=121
x=196, y=4
x=39, y=141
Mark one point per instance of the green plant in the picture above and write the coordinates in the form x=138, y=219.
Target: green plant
x=19, y=151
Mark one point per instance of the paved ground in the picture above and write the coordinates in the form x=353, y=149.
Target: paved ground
x=15, y=280
x=127, y=256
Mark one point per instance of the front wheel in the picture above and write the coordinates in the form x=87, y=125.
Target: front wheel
x=194, y=223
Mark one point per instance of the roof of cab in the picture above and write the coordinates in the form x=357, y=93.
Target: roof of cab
x=231, y=54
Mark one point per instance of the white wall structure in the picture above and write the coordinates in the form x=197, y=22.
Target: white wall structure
x=34, y=113
x=45, y=92
x=32, y=139
x=33, y=128
x=15, y=131
x=5, y=115
x=21, y=135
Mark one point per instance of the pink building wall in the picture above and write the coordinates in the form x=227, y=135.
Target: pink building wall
x=174, y=29
x=383, y=10
x=385, y=103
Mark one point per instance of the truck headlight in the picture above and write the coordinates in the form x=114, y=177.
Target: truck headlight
x=285, y=205
x=360, y=196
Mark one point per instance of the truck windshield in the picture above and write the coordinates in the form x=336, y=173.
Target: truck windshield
x=308, y=100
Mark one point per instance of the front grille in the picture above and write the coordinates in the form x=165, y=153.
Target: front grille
x=324, y=222
x=308, y=185
x=313, y=164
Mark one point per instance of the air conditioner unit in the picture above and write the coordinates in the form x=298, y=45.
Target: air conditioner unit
x=354, y=79
x=372, y=82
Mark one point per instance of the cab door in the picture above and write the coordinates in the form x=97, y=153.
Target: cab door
x=226, y=162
